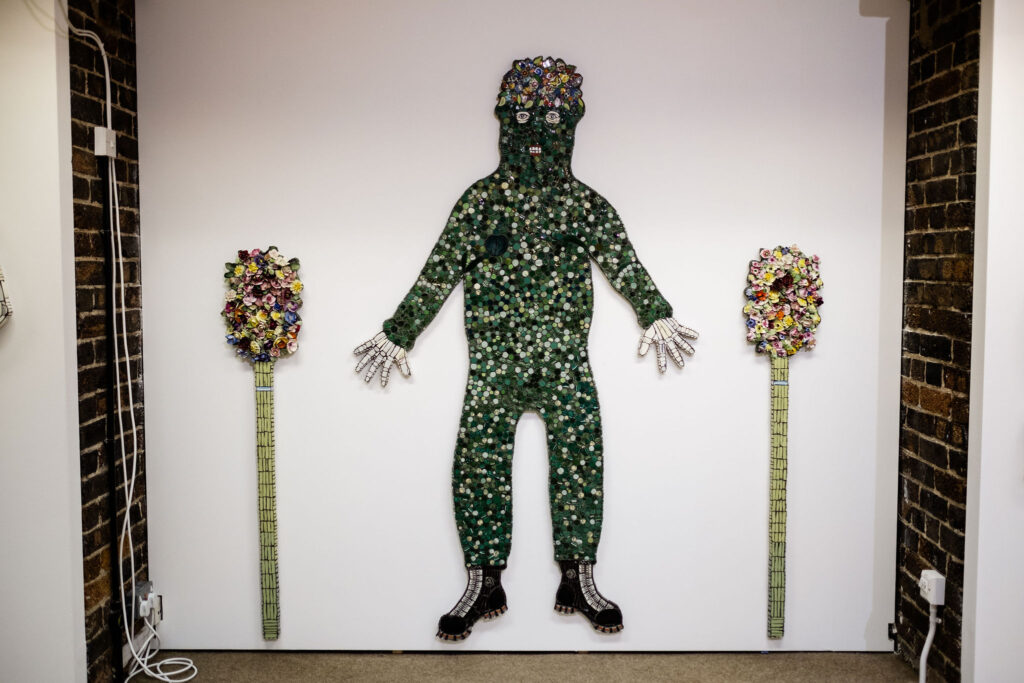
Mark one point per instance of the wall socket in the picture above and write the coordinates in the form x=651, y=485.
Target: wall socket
x=144, y=597
x=933, y=587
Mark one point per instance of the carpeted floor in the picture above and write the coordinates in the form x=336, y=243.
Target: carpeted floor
x=787, y=667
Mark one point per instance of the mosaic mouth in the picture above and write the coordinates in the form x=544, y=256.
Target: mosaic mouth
x=535, y=150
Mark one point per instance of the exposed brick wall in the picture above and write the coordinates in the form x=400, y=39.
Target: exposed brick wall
x=114, y=22
x=937, y=290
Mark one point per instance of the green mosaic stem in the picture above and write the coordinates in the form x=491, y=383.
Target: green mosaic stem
x=777, y=499
x=267, y=499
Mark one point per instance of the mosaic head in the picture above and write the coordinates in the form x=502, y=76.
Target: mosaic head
x=539, y=105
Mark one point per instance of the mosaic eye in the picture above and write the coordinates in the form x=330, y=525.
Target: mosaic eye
x=522, y=116
x=552, y=117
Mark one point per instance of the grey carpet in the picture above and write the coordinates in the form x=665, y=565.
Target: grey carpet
x=788, y=667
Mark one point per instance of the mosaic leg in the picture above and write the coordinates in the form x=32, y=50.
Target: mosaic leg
x=777, y=499
x=267, y=499
x=576, y=467
x=482, y=475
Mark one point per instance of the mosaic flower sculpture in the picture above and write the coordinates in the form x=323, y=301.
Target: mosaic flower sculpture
x=782, y=316
x=522, y=239
x=261, y=311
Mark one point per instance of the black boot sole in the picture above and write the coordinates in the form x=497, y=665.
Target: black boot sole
x=487, y=616
x=569, y=609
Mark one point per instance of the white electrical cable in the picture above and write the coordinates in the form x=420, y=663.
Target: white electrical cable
x=922, y=666
x=185, y=669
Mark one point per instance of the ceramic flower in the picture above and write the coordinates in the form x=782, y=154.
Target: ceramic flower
x=543, y=82
x=260, y=313
x=782, y=301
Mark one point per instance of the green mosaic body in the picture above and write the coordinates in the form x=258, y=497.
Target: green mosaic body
x=522, y=240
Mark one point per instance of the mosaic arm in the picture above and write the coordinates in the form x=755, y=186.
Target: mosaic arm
x=442, y=271
x=616, y=257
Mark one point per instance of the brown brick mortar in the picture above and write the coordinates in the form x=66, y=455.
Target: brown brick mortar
x=937, y=316
x=114, y=22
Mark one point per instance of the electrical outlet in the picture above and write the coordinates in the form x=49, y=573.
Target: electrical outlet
x=143, y=598
x=158, y=609
x=933, y=587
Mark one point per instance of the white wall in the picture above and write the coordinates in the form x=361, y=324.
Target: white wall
x=343, y=133
x=993, y=598
x=42, y=632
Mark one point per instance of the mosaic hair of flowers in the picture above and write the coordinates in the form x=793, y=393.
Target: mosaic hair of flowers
x=262, y=303
x=782, y=301
x=543, y=82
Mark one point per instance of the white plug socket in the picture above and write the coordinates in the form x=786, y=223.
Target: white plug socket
x=104, y=142
x=158, y=609
x=933, y=587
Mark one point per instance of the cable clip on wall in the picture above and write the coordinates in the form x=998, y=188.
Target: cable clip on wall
x=782, y=316
x=261, y=312
x=6, y=309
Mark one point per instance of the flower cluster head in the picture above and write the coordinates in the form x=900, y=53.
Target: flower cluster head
x=262, y=302
x=542, y=82
x=782, y=301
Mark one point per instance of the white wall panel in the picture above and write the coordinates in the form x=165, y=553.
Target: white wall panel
x=42, y=633
x=343, y=133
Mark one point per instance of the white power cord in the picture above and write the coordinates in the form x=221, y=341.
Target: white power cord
x=922, y=666
x=933, y=589
x=178, y=669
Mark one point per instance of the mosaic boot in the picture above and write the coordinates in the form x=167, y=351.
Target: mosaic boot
x=484, y=598
x=577, y=593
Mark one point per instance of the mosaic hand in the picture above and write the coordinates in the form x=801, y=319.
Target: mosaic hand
x=378, y=354
x=668, y=338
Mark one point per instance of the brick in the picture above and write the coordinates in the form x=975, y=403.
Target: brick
x=934, y=346
x=941, y=139
x=952, y=324
x=958, y=461
x=962, y=354
x=909, y=440
x=944, y=59
x=920, y=422
x=951, y=486
x=944, y=85
x=919, y=169
x=943, y=430
x=933, y=452
x=937, y=217
x=938, y=191
x=963, y=300
x=919, y=471
x=960, y=409
x=956, y=379
x=923, y=268
x=909, y=392
x=86, y=109
x=932, y=526
x=952, y=541
x=930, y=551
x=83, y=162
x=917, y=144
x=88, y=217
x=911, y=492
x=935, y=401
x=965, y=186
x=92, y=325
x=966, y=49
